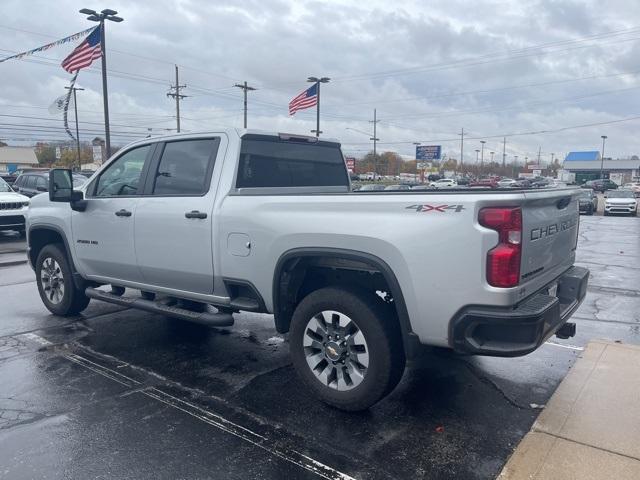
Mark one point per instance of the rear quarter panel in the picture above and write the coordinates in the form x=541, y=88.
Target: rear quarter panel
x=432, y=242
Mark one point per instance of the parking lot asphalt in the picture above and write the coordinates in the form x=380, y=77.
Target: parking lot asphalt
x=119, y=393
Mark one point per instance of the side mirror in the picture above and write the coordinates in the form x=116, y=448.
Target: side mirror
x=60, y=185
x=41, y=188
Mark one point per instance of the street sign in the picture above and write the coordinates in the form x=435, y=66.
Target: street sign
x=428, y=152
x=351, y=164
x=58, y=153
x=97, y=154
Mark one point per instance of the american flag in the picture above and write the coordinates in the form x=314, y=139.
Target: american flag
x=307, y=99
x=84, y=54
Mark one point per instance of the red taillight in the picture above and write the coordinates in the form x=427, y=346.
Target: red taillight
x=503, y=261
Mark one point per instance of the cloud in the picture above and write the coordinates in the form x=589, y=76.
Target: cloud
x=429, y=69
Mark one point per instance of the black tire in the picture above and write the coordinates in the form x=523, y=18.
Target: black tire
x=376, y=322
x=72, y=300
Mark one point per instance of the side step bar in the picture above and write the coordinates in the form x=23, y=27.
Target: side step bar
x=204, y=318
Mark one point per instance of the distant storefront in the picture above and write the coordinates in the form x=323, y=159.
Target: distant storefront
x=585, y=166
x=13, y=159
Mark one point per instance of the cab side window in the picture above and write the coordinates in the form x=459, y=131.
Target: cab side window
x=185, y=167
x=122, y=177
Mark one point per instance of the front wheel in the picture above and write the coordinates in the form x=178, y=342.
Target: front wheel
x=55, y=283
x=346, y=346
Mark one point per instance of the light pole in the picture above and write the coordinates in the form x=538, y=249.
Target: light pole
x=603, y=137
x=75, y=109
x=492, y=156
x=375, y=140
x=94, y=16
x=477, y=153
x=461, y=147
x=482, y=142
x=318, y=81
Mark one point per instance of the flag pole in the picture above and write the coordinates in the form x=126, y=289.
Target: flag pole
x=94, y=16
x=318, y=81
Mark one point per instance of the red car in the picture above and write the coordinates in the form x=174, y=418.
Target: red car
x=485, y=182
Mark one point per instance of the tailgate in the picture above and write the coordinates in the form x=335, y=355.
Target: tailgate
x=550, y=221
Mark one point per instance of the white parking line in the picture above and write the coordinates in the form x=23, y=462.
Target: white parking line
x=570, y=347
x=275, y=448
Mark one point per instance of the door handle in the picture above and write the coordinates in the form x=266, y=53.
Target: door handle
x=195, y=214
x=123, y=213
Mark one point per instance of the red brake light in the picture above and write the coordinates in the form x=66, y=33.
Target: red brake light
x=503, y=261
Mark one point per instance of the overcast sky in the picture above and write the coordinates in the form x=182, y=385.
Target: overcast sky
x=431, y=68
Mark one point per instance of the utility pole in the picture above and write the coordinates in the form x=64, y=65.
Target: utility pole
x=245, y=88
x=375, y=140
x=94, y=16
x=603, y=137
x=75, y=109
x=318, y=81
x=539, y=151
x=515, y=165
x=177, y=96
x=482, y=142
x=461, y=148
x=504, y=152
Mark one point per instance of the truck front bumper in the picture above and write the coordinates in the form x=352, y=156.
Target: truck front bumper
x=518, y=330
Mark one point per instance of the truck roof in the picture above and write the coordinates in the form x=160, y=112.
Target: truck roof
x=239, y=132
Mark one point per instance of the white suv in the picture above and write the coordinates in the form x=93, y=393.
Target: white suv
x=620, y=201
x=13, y=208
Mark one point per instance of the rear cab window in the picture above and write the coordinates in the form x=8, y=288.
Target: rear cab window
x=287, y=162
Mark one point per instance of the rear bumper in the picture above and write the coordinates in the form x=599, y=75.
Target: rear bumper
x=510, y=332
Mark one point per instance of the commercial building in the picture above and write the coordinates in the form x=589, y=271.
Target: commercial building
x=17, y=158
x=584, y=166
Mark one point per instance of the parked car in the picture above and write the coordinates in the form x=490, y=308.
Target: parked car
x=507, y=183
x=490, y=182
x=13, y=208
x=588, y=202
x=523, y=183
x=463, y=181
x=634, y=187
x=444, y=183
x=421, y=187
x=35, y=182
x=196, y=221
x=373, y=187
x=8, y=178
x=433, y=177
x=397, y=187
x=620, y=201
x=601, y=185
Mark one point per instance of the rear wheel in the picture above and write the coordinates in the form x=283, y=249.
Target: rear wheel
x=55, y=283
x=347, y=347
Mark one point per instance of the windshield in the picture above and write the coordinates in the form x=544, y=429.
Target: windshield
x=620, y=194
x=4, y=186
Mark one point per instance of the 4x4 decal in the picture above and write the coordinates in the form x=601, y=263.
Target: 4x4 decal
x=436, y=208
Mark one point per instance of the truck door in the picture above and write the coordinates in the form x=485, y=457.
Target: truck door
x=103, y=233
x=173, y=224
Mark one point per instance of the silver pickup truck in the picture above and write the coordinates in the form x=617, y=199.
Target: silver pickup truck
x=202, y=226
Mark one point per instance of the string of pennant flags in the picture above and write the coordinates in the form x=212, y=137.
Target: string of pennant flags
x=81, y=56
x=64, y=40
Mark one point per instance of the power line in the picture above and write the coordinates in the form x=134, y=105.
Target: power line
x=512, y=134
